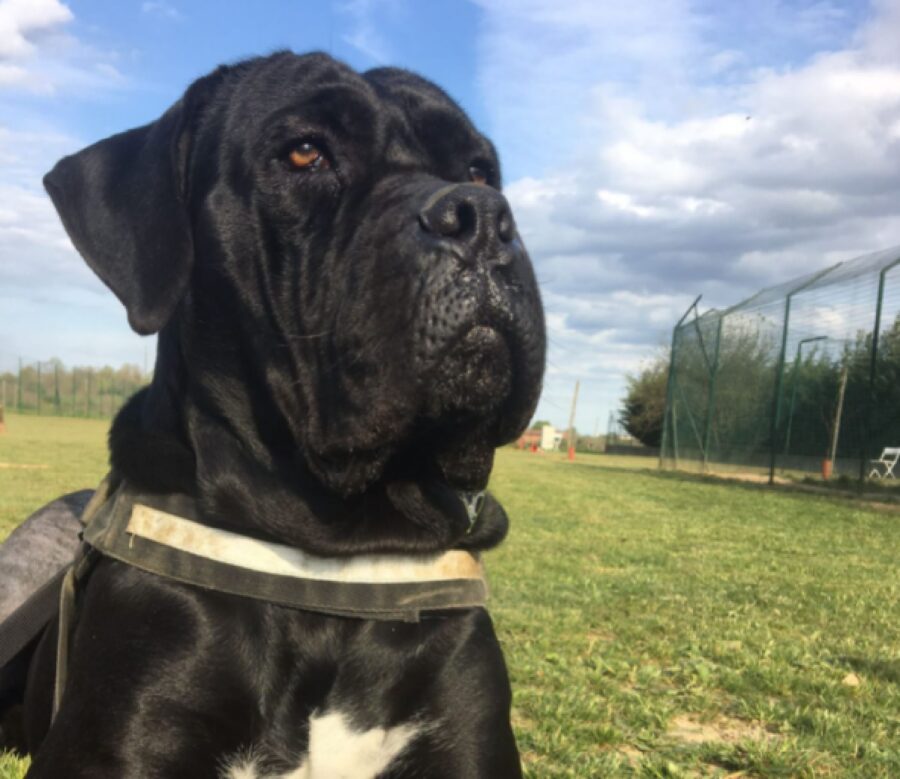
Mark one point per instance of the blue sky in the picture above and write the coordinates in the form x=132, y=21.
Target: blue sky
x=653, y=150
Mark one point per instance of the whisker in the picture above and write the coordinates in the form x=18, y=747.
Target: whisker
x=310, y=337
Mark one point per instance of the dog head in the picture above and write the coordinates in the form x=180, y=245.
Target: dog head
x=339, y=284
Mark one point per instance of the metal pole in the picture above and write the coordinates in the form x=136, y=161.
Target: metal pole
x=19, y=389
x=39, y=388
x=711, y=400
x=838, y=413
x=56, y=398
x=873, y=369
x=779, y=377
x=670, y=381
x=794, y=382
x=90, y=377
x=675, y=433
x=571, y=436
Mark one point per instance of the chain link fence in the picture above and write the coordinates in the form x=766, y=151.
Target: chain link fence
x=48, y=387
x=801, y=378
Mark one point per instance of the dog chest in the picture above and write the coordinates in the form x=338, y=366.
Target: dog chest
x=337, y=750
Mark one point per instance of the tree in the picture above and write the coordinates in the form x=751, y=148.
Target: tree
x=644, y=405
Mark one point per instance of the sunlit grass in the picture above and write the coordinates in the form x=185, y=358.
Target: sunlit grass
x=42, y=458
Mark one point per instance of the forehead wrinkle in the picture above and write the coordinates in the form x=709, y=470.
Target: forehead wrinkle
x=402, y=147
x=287, y=78
x=409, y=136
x=342, y=105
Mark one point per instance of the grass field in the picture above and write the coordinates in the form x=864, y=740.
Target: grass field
x=655, y=625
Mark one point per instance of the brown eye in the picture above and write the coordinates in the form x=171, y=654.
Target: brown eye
x=478, y=175
x=308, y=156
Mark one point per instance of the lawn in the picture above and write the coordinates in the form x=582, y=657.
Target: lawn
x=42, y=458
x=654, y=624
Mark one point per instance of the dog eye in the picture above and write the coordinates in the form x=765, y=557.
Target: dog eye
x=478, y=175
x=307, y=156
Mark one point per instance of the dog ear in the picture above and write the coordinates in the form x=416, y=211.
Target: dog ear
x=122, y=202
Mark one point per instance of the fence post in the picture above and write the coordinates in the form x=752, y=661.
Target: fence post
x=56, y=398
x=794, y=377
x=39, y=388
x=19, y=389
x=873, y=369
x=779, y=377
x=670, y=382
x=90, y=376
x=711, y=399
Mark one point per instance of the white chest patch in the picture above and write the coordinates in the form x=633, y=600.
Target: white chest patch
x=336, y=751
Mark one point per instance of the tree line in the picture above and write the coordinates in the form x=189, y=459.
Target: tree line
x=49, y=387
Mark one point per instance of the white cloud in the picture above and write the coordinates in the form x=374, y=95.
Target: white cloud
x=33, y=244
x=162, y=10
x=364, y=34
x=38, y=55
x=880, y=38
x=51, y=302
x=23, y=20
x=45, y=287
x=675, y=158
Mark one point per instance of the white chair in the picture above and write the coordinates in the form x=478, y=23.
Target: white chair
x=884, y=465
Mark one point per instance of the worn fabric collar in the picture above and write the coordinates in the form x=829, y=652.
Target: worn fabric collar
x=160, y=535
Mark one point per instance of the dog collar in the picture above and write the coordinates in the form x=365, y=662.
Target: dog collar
x=160, y=536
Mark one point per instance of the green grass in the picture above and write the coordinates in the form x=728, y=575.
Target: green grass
x=654, y=624
x=42, y=458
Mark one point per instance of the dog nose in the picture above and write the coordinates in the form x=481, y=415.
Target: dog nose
x=473, y=214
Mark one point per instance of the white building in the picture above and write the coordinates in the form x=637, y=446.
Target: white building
x=550, y=438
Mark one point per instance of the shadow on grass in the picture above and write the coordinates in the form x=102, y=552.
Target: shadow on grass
x=886, y=670
x=887, y=500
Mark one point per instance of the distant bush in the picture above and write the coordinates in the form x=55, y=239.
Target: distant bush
x=644, y=405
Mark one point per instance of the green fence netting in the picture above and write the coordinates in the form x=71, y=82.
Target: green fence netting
x=803, y=377
x=48, y=387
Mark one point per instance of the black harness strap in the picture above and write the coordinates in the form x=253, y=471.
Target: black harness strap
x=68, y=615
x=107, y=534
x=27, y=622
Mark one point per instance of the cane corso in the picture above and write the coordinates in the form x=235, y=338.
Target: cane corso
x=349, y=325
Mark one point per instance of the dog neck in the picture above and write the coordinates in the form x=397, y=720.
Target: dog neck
x=152, y=448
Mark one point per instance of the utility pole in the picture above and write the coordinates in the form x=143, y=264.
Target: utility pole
x=838, y=413
x=572, y=422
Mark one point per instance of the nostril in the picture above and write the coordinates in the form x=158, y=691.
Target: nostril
x=506, y=229
x=466, y=218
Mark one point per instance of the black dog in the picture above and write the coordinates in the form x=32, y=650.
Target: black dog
x=349, y=326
